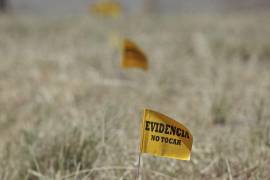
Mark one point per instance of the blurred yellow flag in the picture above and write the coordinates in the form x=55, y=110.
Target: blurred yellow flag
x=133, y=57
x=107, y=8
x=165, y=137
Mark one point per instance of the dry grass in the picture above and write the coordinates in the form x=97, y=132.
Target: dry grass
x=67, y=111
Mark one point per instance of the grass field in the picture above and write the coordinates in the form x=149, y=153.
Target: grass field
x=68, y=111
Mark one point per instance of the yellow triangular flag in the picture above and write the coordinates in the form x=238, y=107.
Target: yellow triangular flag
x=133, y=56
x=106, y=8
x=165, y=137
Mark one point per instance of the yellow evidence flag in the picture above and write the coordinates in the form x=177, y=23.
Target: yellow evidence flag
x=107, y=8
x=165, y=137
x=133, y=56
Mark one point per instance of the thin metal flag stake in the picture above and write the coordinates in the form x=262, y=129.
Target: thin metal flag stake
x=103, y=130
x=139, y=161
x=139, y=167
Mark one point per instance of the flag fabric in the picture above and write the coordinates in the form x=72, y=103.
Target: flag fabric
x=165, y=137
x=133, y=56
x=108, y=8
